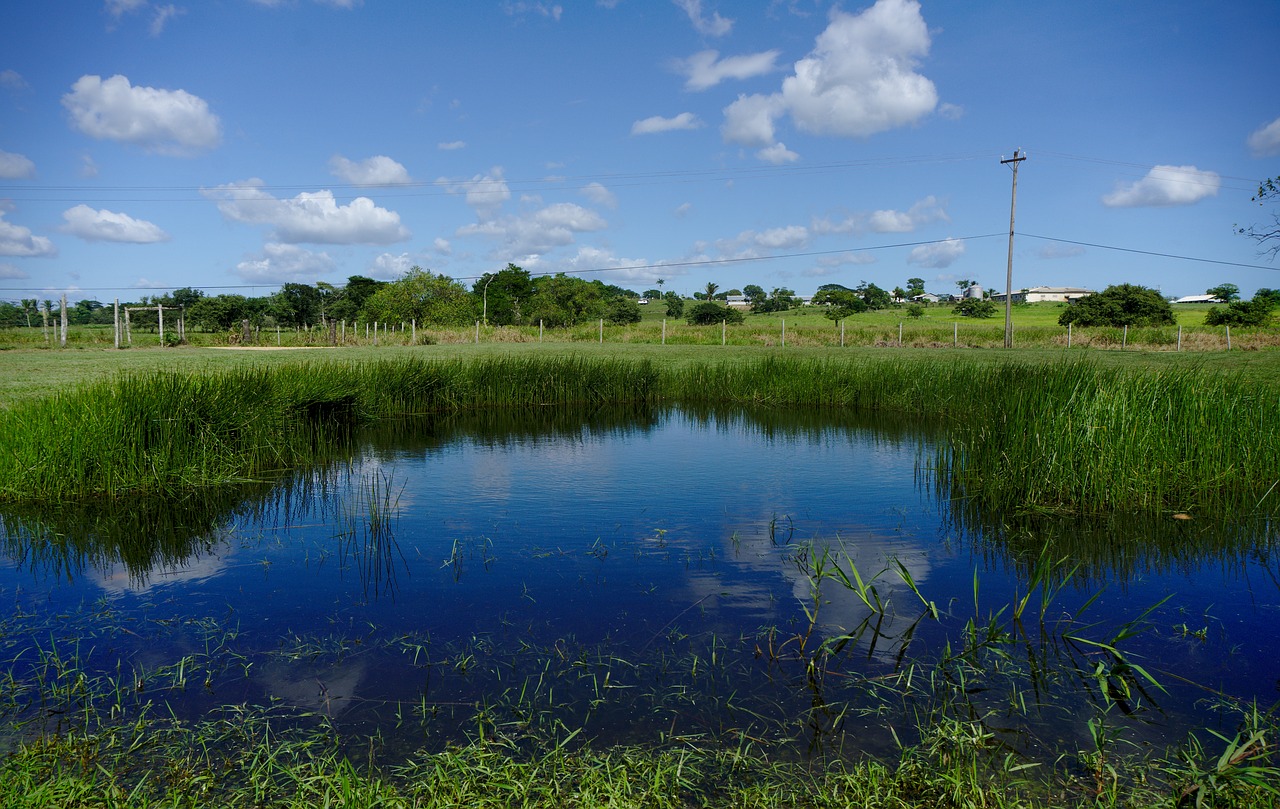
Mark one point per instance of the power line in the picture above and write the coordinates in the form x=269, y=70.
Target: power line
x=1154, y=253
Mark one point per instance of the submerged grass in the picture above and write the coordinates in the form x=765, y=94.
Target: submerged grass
x=1064, y=435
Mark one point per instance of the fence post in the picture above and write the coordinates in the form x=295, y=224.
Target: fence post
x=1179, y=336
x=1068, y=335
x=539, y=330
x=413, y=337
x=115, y=321
x=1228, y=335
x=63, y=318
x=601, y=331
x=955, y=335
x=277, y=334
x=477, y=332
x=842, y=332
x=723, y=333
x=784, y=332
x=664, y=331
x=160, y=319
x=899, y=334
x=1124, y=338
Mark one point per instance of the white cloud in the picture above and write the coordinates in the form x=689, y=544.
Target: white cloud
x=388, y=267
x=713, y=26
x=285, y=263
x=308, y=217
x=786, y=238
x=10, y=272
x=924, y=212
x=163, y=15
x=442, y=246
x=539, y=231
x=656, y=123
x=859, y=79
x=706, y=69
x=549, y=10
x=600, y=195
x=951, y=112
x=777, y=154
x=1165, y=186
x=377, y=170
x=938, y=255
x=16, y=240
x=108, y=226
x=682, y=210
x=485, y=193
x=452, y=145
x=165, y=121
x=14, y=166
x=12, y=80
x=88, y=168
x=118, y=8
x=1266, y=141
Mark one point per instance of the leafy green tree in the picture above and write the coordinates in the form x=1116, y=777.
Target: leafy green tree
x=423, y=296
x=501, y=296
x=1272, y=295
x=755, y=294
x=653, y=294
x=709, y=313
x=1224, y=292
x=1255, y=312
x=915, y=286
x=675, y=304
x=563, y=300
x=30, y=306
x=186, y=297
x=873, y=296
x=295, y=305
x=1120, y=305
x=899, y=294
x=223, y=312
x=349, y=300
x=622, y=311
x=709, y=292
x=11, y=315
x=915, y=311
x=780, y=300
x=841, y=302
x=975, y=307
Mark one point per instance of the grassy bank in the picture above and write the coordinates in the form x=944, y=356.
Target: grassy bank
x=1022, y=436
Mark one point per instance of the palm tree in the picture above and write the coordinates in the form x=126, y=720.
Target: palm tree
x=711, y=290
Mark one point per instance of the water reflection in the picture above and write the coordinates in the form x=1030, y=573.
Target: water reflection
x=637, y=571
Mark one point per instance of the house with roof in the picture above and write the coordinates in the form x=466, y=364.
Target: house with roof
x=1199, y=299
x=1045, y=295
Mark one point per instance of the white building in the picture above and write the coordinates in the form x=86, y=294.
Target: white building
x=1199, y=299
x=1045, y=294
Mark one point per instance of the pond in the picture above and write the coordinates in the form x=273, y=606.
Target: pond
x=798, y=582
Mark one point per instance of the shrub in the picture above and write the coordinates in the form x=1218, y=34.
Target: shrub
x=1241, y=313
x=708, y=313
x=975, y=307
x=1120, y=305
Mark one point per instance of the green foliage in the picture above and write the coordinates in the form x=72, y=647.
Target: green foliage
x=915, y=311
x=346, y=303
x=780, y=300
x=623, y=311
x=1120, y=305
x=975, y=307
x=422, y=296
x=295, y=305
x=565, y=300
x=224, y=312
x=708, y=313
x=1256, y=312
x=504, y=295
x=675, y=304
x=755, y=294
x=1224, y=292
x=841, y=302
x=873, y=296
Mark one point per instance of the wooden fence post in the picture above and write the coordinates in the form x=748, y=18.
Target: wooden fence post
x=955, y=335
x=664, y=331
x=784, y=332
x=115, y=321
x=1179, y=336
x=899, y=334
x=63, y=319
x=1124, y=338
x=601, y=331
x=1228, y=337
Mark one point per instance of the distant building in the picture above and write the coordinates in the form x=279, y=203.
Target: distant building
x=1199, y=299
x=973, y=291
x=926, y=297
x=738, y=302
x=1045, y=294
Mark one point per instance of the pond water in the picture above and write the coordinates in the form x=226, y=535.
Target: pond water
x=792, y=581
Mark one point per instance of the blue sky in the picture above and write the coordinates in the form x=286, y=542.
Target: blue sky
x=234, y=145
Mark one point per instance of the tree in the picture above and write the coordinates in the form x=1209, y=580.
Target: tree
x=899, y=294
x=964, y=283
x=780, y=300
x=1268, y=189
x=975, y=307
x=422, y=296
x=710, y=290
x=1120, y=305
x=564, y=300
x=1224, y=292
x=295, y=305
x=915, y=311
x=873, y=296
x=653, y=294
x=675, y=304
x=840, y=301
x=754, y=293
x=1256, y=312
x=915, y=286
x=709, y=313
x=623, y=310
x=503, y=296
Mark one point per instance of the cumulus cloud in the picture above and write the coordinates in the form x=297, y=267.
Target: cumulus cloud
x=861, y=78
x=713, y=26
x=162, y=17
x=377, y=170
x=1165, y=186
x=14, y=166
x=285, y=263
x=442, y=246
x=118, y=8
x=1266, y=140
x=485, y=193
x=537, y=231
x=683, y=209
x=549, y=10
x=938, y=255
x=706, y=69
x=452, y=146
x=16, y=240
x=600, y=195
x=108, y=226
x=777, y=154
x=785, y=238
x=656, y=123
x=388, y=267
x=925, y=211
x=166, y=121
x=314, y=217
x=10, y=272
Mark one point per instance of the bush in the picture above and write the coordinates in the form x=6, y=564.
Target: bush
x=623, y=311
x=1120, y=305
x=1241, y=313
x=708, y=313
x=975, y=307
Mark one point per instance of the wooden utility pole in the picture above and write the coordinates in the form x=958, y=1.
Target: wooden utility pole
x=1017, y=158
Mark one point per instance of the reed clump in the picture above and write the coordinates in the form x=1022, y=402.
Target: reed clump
x=1066, y=436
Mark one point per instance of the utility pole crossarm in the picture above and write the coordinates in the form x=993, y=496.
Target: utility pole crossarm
x=1018, y=157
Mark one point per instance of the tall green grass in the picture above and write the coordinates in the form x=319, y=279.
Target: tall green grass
x=1068, y=436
